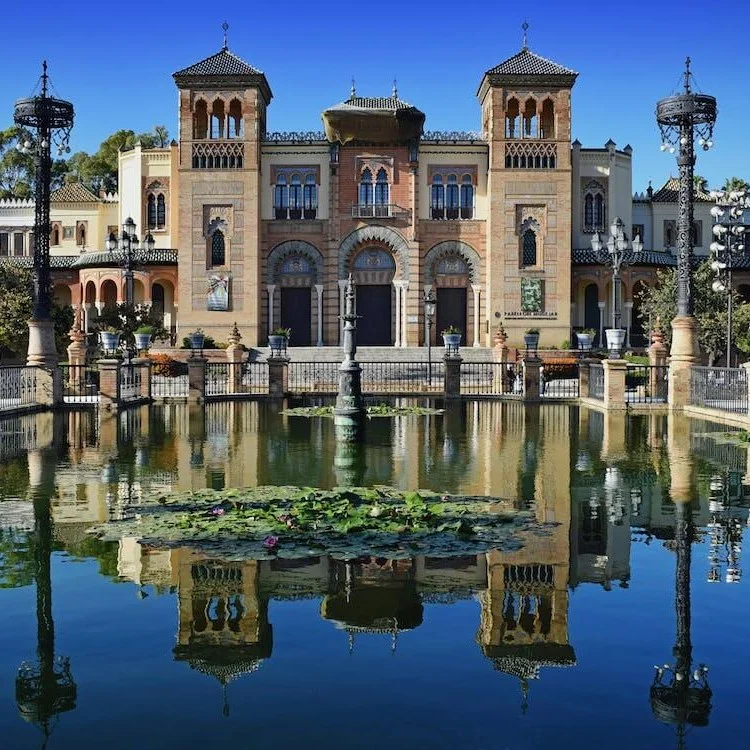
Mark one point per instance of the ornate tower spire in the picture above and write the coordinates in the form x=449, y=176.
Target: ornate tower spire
x=395, y=89
x=225, y=27
x=353, y=90
x=525, y=27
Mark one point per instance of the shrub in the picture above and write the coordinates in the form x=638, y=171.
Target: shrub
x=208, y=343
x=164, y=365
x=560, y=368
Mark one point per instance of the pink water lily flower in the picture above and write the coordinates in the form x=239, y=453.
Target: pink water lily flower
x=271, y=542
x=218, y=511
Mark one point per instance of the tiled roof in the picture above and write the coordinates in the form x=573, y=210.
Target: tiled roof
x=587, y=257
x=526, y=63
x=223, y=63
x=73, y=192
x=390, y=103
x=670, y=190
x=55, y=261
x=115, y=259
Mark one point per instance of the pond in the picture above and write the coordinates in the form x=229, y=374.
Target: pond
x=635, y=562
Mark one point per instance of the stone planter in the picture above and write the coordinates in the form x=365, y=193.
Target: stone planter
x=196, y=340
x=109, y=341
x=615, y=341
x=531, y=342
x=452, y=341
x=142, y=341
x=277, y=344
x=585, y=341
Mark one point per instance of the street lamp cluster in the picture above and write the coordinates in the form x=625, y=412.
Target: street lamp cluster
x=615, y=253
x=729, y=242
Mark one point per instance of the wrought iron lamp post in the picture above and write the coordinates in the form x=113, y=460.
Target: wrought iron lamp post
x=128, y=244
x=615, y=255
x=429, y=315
x=52, y=120
x=681, y=118
x=729, y=241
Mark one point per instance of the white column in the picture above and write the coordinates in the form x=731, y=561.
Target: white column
x=397, y=287
x=271, y=289
x=404, y=299
x=602, y=342
x=342, y=309
x=319, y=290
x=86, y=310
x=476, y=289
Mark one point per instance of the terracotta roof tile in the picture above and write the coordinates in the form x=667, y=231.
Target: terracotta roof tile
x=223, y=63
x=526, y=63
x=73, y=192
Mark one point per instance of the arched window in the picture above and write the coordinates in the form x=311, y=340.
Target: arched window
x=81, y=235
x=235, y=126
x=599, y=217
x=295, y=197
x=280, y=197
x=594, y=208
x=588, y=211
x=530, y=120
x=529, y=248
x=200, y=120
x=365, y=188
x=511, y=119
x=437, y=200
x=54, y=238
x=548, y=119
x=151, y=211
x=161, y=211
x=467, y=197
x=310, y=197
x=218, y=249
x=217, y=120
x=381, y=193
x=451, y=197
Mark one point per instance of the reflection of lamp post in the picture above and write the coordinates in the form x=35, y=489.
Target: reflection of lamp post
x=52, y=119
x=679, y=694
x=429, y=314
x=729, y=239
x=615, y=255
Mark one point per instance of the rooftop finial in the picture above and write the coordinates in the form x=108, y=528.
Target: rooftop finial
x=225, y=27
x=525, y=27
x=395, y=89
x=353, y=91
x=687, y=75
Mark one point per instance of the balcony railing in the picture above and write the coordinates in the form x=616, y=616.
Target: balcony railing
x=379, y=211
x=452, y=213
x=218, y=155
x=294, y=214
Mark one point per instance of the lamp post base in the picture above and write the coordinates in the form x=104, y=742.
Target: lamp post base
x=42, y=351
x=683, y=355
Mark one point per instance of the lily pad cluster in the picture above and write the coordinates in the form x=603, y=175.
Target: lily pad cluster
x=264, y=522
x=376, y=410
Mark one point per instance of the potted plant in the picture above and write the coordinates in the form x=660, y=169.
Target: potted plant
x=109, y=338
x=531, y=339
x=197, y=338
x=615, y=341
x=142, y=336
x=451, y=337
x=585, y=339
x=278, y=340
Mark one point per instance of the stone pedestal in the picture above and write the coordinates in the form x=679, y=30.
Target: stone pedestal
x=682, y=484
x=349, y=463
x=235, y=357
x=501, y=383
x=614, y=447
x=614, y=383
x=278, y=377
x=531, y=378
x=683, y=356
x=196, y=379
x=77, y=359
x=42, y=351
x=452, y=376
x=49, y=386
x=109, y=384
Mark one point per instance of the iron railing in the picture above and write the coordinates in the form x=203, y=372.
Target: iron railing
x=492, y=379
x=314, y=377
x=236, y=379
x=646, y=384
x=596, y=382
x=17, y=387
x=397, y=378
x=559, y=379
x=723, y=388
x=80, y=383
x=130, y=381
x=379, y=211
x=169, y=386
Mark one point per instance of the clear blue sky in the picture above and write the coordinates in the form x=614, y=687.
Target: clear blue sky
x=114, y=62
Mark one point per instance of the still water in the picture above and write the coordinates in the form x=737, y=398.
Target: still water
x=552, y=645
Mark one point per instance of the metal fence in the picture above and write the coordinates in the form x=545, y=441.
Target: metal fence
x=397, y=378
x=596, y=382
x=236, y=378
x=80, y=383
x=130, y=381
x=559, y=380
x=169, y=386
x=723, y=388
x=314, y=377
x=492, y=379
x=646, y=384
x=17, y=387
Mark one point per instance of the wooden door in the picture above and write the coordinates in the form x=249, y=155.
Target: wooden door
x=451, y=311
x=296, y=313
x=374, y=307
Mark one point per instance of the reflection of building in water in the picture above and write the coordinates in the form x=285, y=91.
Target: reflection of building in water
x=223, y=626
x=373, y=595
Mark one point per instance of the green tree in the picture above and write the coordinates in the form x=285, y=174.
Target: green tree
x=660, y=303
x=125, y=320
x=700, y=183
x=735, y=183
x=16, y=168
x=16, y=303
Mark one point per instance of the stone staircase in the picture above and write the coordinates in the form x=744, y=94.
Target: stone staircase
x=374, y=354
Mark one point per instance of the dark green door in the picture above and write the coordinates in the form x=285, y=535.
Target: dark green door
x=451, y=310
x=374, y=309
x=296, y=313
